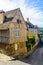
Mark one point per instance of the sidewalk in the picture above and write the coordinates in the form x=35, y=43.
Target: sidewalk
x=4, y=60
x=17, y=62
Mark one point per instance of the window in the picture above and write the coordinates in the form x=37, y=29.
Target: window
x=17, y=32
x=18, y=21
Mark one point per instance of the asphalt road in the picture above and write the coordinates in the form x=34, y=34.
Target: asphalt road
x=36, y=58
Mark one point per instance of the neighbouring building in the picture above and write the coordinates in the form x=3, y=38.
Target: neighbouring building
x=32, y=30
x=13, y=31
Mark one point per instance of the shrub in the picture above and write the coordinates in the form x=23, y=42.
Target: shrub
x=30, y=41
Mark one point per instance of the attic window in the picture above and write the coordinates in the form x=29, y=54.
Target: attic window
x=18, y=21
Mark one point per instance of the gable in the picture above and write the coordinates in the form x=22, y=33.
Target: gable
x=16, y=14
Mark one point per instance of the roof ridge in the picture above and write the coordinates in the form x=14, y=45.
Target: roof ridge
x=13, y=10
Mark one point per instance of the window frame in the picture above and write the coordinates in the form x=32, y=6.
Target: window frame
x=17, y=32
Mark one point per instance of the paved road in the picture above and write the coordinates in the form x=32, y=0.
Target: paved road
x=35, y=58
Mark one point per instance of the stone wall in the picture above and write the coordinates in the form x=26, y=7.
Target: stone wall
x=9, y=49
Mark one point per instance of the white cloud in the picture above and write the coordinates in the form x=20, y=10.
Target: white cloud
x=35, y=16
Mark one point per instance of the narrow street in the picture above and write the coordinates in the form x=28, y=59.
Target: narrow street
x=35, y=58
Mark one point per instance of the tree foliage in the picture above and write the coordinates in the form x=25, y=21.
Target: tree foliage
x=30, y=41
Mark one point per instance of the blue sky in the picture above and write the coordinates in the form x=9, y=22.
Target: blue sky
x=33, y=9
x=35, y=3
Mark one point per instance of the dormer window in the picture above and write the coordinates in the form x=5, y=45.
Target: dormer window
x=18, y=21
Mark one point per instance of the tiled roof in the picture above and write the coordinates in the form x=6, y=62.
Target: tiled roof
x=12, y=13
x=30, y=24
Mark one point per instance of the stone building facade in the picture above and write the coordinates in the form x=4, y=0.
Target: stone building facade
x=13, y=31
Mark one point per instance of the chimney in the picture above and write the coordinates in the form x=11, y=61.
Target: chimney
x=27, y=19
x=1, y=16
x=28, y=22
